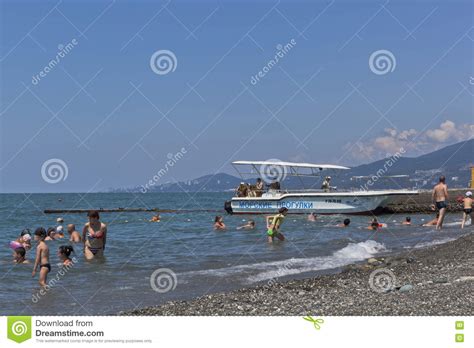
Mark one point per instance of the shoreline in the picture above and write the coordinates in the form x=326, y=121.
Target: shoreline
x=436, y=280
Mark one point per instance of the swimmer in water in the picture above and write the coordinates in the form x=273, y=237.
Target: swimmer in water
x=19, y=256
x=51, y=234
x=64, y=253
x=274, y=224
x=42, y=256
x=345, y=223
x=250, y=225
x=25, y=239
x=219, y=223
x=375, y=225
x=59, y=232
x=94, y=236
x=433, y=222
x=467, y=210
x=312, y=217
x=407, y=221
x=155, y=218
x=74, y=236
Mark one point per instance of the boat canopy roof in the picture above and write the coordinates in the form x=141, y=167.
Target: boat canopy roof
x=290, y=164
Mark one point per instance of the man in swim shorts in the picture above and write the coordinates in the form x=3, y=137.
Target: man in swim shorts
x=440, y=198
x=467, y=210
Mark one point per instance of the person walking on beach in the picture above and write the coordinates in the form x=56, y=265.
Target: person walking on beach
x=94, y=235
x=467, y=211
x=274, y=224
x=440, y=197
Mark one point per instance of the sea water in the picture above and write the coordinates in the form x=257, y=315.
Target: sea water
x=198, y=260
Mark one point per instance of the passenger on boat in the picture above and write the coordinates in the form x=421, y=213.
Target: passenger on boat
x=242, y=190
x=326, y=185
x=275, y=186
x=259, y=188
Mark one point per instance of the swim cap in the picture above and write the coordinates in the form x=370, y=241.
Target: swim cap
x=469, y=193
x=26, y=237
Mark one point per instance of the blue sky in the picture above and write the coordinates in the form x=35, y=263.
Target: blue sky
x=114, y=122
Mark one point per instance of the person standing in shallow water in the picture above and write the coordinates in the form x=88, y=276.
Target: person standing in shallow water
x=94, y=235
x=440, y=198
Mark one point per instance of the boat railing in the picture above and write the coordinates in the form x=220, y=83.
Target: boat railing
x=271, y=192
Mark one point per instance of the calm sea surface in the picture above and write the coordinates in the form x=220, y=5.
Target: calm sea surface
x=203, y=260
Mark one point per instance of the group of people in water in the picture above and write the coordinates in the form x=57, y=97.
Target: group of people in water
x=93, y=240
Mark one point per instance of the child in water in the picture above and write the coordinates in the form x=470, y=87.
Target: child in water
x=19, y=255
x=42, y=256
x=25, y=239
x=467, y=211
x=64, y=253
x=51, y=234
x=274, y=223
x=250, y=225
x=219, y=223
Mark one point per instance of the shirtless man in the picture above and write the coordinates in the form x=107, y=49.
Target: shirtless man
x=42, y=256
x=74, y=236
x=94, y=236
x=440, y=198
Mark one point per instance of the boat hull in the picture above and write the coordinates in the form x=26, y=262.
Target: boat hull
x=320, y=203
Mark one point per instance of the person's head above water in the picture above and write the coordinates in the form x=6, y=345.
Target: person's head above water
x=93, y=216
x=40, y=233
x=408, y=219
x=283, y=211
x=468, y=194
x=20, y=252
x=65, y=250
x=218, y=218
x=51, y=232
x=347, y=222
x=442, y=179
x=71, y=228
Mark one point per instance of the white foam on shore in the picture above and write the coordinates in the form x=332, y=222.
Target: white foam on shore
x=430, y=243
x=262, y=271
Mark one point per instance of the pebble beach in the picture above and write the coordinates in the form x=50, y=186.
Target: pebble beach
x=437, y=280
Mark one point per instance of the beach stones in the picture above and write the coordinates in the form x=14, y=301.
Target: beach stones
x=406, y=288
x=440, y=280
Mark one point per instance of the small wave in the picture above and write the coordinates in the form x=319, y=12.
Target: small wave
x=430, y=243
x=262, y=271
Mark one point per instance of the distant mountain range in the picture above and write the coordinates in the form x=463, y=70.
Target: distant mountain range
x=453, y=161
